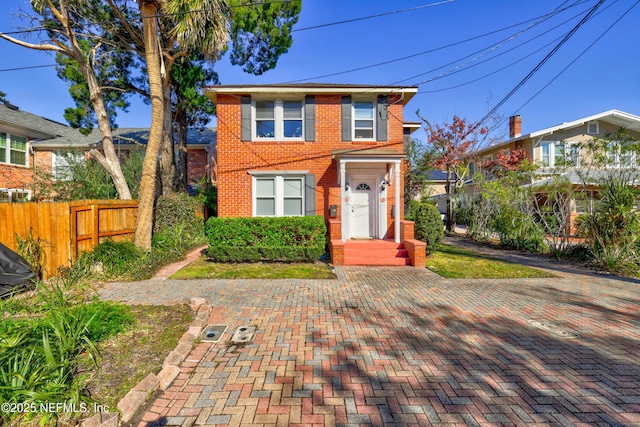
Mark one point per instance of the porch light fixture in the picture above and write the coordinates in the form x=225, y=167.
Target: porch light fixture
x=346, y=186
x=383, y=185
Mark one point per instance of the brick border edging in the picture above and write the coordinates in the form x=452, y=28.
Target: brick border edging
x=139, y=394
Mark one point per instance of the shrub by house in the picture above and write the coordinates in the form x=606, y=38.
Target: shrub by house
x=266, y=238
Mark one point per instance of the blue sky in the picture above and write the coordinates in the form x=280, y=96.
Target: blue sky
x=454, y=77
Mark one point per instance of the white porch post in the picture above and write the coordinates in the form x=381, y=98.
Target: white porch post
x=343, y=194
x=396, y=208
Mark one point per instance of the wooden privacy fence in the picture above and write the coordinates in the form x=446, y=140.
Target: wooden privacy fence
x=67, y=229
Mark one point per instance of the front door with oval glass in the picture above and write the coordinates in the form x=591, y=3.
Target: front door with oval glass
x=361, y=217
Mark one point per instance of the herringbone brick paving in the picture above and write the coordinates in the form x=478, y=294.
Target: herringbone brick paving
x=402, y=346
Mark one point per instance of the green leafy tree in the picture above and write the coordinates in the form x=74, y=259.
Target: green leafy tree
x=417, y=170
x=191, y=108
x=449, y=146
x=64, y=28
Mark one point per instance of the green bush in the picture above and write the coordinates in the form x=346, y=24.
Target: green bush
x=516, y=229
x=410, y=208
x=110, y=260
x=612, y=230
x=266, y=238
x=428, y=226
x=178, y=208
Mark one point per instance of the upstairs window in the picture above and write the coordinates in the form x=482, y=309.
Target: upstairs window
x=620, y=156
x=566, y=154
x=278, y=119
x=363, y=119
x=292, y=119
x=13, y=149
x=265, y=119
x=554, y=154
x=64, y=163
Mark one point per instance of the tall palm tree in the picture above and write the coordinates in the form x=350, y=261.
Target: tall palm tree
x=197, y=24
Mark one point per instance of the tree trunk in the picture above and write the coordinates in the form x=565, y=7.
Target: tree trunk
x=450, y=221
x=182, y=181
x=110, y=160
x=144, y=223
x=167, y=157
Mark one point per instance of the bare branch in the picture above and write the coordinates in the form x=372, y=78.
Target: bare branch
x=99, y=157
x=50, y=47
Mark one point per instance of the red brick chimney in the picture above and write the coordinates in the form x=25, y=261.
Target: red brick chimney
x=515, y=126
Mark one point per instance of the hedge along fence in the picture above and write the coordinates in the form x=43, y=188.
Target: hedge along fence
x=266, y=238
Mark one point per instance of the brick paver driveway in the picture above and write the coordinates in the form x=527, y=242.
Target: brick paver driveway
x=402, y=346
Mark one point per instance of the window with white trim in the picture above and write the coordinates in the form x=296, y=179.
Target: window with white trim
x=559, y=154
x=64, y=162
x=13, y=149
x=620, y=156
x=14, y=195
x=278, y=119
x=278, y=196
x=364, y=120
x=593, y=128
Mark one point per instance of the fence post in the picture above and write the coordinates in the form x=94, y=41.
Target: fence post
x=95, y=232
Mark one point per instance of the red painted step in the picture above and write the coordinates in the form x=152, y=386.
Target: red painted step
x=375, y=252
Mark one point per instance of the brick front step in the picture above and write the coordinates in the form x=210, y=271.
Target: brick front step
x=375, y=252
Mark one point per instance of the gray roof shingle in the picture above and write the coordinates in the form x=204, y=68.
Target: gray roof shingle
x=51, y=134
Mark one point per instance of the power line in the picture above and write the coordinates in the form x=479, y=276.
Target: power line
x=437, y=48
x=579, y=56
x=347, y=21
x=27, y=68
x=541, y=63
x=329, y=24
x=482, y=52
x=458, y=69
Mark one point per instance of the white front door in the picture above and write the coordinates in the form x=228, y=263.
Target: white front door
x=361, y=216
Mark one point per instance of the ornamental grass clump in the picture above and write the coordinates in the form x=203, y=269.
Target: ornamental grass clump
x=47, y=352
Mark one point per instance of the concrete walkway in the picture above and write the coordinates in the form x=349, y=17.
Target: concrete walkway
x=402, y=346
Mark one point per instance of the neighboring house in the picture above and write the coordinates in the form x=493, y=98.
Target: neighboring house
x=435, y=187
x=200, y=149
x=30, y=143
x=18, y=131
x=314, y=149
x=559, y=150
x=559, y=144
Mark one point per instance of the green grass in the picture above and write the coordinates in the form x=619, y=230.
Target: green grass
x=454, y=262
x=203, y=269
x=130, y=356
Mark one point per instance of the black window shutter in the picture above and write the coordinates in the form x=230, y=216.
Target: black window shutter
x=382, y=118
x=310, y=118
x=245, y=118
x=309, y=194
x=346, y=118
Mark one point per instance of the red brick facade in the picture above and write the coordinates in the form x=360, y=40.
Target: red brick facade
x=236, y=157
x=197, y=164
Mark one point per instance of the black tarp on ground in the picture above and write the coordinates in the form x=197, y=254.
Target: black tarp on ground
x=14, y=270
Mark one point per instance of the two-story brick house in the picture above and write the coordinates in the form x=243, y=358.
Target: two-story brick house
x=314, y=149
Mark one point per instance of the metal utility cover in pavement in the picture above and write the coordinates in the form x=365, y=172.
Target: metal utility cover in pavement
x=213, y=333
x=553, y=329
x=243, y=335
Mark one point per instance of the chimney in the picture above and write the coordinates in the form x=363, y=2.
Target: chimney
x=515, y=126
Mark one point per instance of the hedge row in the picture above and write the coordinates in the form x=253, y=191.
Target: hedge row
x=266, y=238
